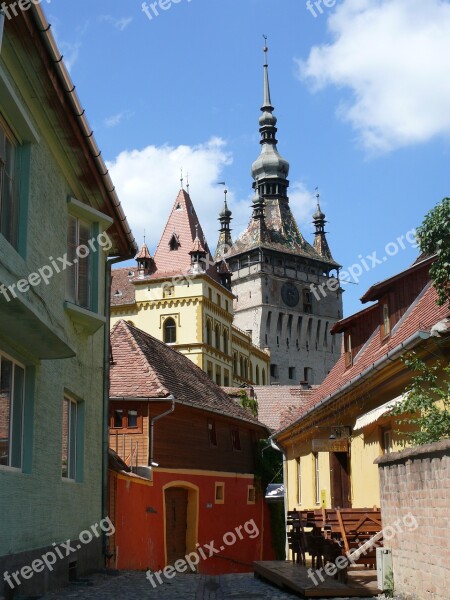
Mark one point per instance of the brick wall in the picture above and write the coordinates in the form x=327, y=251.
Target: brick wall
x=417, y=481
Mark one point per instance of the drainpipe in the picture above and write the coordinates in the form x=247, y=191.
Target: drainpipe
x=106, y=370
x=276, y=447
x=152, y=429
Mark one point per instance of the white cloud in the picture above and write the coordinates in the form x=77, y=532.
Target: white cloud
x=148, y=182
x=119, y=24
x=116, y=119
x=394, y=56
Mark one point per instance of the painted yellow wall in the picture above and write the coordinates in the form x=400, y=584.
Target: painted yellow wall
x=193, y=303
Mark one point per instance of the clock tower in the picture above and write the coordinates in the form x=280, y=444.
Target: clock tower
x=275, y=270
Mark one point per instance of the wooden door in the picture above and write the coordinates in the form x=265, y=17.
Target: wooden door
x=340, y=480
x=176, y=500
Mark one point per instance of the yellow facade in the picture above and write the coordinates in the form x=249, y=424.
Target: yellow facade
x=194, y=314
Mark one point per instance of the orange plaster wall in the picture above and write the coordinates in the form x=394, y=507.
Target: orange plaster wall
x=139, y=522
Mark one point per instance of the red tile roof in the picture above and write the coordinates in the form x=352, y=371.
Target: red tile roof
x=144, y=367
x=422, y=315
x=122, y=288
x=275, y=400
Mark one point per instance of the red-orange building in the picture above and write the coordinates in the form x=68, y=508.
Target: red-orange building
x=184, y=472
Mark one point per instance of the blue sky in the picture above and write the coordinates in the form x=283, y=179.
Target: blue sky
x=360, y=92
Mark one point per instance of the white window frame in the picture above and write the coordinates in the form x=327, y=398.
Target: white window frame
x=15, y=364
x=299, y=480
x=316, y=477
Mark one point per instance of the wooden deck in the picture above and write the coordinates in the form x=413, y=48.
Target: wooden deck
x=362, y=583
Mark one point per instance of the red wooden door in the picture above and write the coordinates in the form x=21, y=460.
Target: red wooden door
x=340, y=480
x=176, y=523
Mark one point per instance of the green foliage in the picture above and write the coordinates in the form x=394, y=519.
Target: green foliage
x=389, y=588
x=427, y=402
x=248, y=403
x=434, y=238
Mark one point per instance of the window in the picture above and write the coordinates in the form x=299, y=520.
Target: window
x=212, y=433
x=210, y=293
x=291, y=372
x=209, y=369
x=69, y=439
x=307, y=302
x=387, y=441
x=129, y=420
x=12, y=378
x=348, y=349
x=170, y=331
x=9, y=202
x=316, y=477
x=79, y=275
x=218, y=375
x=219, y=495
x=217, y=336
x=251, y=494
x=274, y=371
x=218, y=300
x=226, y=378
x=264, y=377
x=386, y=321
x=225, y=341
x=208, y=332
x=307, y=374
x=174, y=243
x=235, y=439
x=299, y=480
x=235, y=363
x=227, y=305
x=257, y=375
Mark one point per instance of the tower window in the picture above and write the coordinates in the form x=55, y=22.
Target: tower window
x=174, y=243
x=291, y=372
x=170, y=331
x=274, y=371
x=307, y=302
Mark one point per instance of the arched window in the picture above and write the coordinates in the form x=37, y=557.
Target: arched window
x=241, y=366
x=208, y=332
x=257, y=375
x=235, y=363
x=264, y=377
x=217, y=336
x=225, y=341
x=170, y=331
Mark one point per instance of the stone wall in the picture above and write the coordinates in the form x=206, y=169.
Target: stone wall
x=417, y=481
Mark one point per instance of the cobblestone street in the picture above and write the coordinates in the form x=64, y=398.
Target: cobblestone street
x=134, y=586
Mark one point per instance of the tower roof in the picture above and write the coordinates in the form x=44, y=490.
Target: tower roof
x=144, y=253
x=182, y=228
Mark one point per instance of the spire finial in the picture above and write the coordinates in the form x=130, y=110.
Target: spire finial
x=187, y=182
x=196, y=231
x=267, y=101
x=182, y=179
x=144, y=236
x=318, y=197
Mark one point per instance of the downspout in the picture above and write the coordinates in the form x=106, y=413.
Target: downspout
x=106, y=371
x=276, y=447
x=152, y=430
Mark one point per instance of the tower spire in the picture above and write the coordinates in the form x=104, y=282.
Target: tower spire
x=270, y=170
x=320, y=238
x=224, y=242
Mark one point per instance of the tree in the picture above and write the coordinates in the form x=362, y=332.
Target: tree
x=434, y=238
x=427, y=402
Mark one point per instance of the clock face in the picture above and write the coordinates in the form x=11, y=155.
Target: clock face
x=289, y=294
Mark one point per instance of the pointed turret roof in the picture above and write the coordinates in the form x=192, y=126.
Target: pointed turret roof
x=144, y=253
x=320, y=239
x=182, y=228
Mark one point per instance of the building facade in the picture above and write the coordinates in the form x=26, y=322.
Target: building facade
x=192, y=452
x=331, y=447
x=58, y=224
x=183, y=299
x=273, y=268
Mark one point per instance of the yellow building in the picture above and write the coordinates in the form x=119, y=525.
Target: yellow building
x=183, y=298
x=330, y=448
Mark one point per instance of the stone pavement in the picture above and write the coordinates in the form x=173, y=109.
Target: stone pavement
x=134, y=586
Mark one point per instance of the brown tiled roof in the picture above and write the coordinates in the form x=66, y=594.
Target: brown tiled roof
x=143, y=252
x=275, y=400
x=122, y=288
x=422, y=315
x=144, y=367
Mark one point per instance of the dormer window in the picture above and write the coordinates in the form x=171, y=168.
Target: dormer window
x=386, y=327
x=174, y=243
x=348, y=349
x=178, y=207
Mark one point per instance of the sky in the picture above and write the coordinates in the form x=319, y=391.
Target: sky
x=361, y=92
